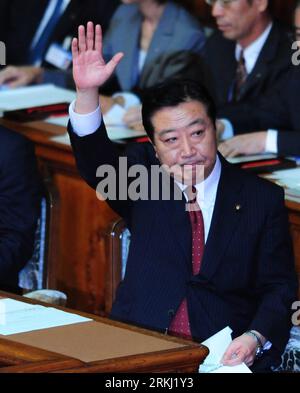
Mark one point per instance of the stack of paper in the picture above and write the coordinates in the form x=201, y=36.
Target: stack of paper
x=19, y=317
x=34, y=96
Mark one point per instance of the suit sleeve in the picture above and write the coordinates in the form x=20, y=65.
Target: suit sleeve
x=94, y=151
x=19, y=207
x=276, y=284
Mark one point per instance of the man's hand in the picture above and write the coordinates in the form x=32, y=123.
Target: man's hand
x=20, y=76
x=89, y=68
x=241, y=350
x=220, y=127
x=133, y=116
x=245, y=144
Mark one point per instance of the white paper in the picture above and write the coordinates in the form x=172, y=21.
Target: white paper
x=217, y=345
x=290, y=180
x=18, y=317
x=31, y=96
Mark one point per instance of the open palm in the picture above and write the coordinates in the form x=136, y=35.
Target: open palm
x=89, y=67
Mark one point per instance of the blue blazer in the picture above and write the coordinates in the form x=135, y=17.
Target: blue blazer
x=247, y=278
x=176, y=32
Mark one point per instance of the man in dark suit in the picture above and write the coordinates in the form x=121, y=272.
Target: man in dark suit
x=19, y=206
x=276, y=117
x=246, y=278
x=21, y=22
x=248, y=58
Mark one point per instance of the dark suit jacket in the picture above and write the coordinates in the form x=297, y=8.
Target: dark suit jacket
x=277, y=110
x=177, y=36
x=19, y=205
x=271, y=66
x=247, y=279
x=19, y=21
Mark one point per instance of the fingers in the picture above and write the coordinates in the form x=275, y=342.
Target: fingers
x=81, y=39
x=90, y=36
x=98, y=39
x=74, y=49
x=111, y=65
x=233, y=358
x=8, y=73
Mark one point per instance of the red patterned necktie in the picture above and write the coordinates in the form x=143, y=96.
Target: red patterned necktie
x=241, y=76
x=180, y=325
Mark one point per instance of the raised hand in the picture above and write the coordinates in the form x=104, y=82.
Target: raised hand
x=89, y=68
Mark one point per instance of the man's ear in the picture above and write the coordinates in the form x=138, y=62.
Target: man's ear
x=262, y=5
x=154, y=147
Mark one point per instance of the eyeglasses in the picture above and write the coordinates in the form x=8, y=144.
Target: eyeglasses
x=223, y=3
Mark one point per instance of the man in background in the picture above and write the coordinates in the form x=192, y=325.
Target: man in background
x=248, y=58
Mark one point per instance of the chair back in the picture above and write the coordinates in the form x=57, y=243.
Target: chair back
x=38, y=273
x=119, y=240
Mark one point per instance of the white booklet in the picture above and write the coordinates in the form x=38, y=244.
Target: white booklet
x=34, y=96
x=217, y=345
x=18, y=317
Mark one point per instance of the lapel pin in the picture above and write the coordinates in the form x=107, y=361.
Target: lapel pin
x=238, y=207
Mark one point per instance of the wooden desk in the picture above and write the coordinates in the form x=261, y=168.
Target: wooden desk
x=97, y=346
x=83, y=246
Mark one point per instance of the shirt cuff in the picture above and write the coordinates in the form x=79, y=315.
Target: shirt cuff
x=271, y=142
x=228, y=129
x=84, y=124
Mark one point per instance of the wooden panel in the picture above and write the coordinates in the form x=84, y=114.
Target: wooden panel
x=81, y=246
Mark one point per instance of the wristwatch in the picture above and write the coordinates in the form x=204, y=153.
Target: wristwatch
x=259, y=350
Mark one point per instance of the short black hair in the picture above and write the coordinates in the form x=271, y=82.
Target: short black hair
x=171, y=93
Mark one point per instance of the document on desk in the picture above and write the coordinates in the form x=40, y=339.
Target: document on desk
x=289, y=179
x=18, y=317
x=34, y=96
x=217, y=345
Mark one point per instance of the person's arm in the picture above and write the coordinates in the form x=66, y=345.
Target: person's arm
x=19, y=206
x=92, y=147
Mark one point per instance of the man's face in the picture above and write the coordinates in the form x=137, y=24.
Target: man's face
x=237, y=20
x=297, y=26
x=185, y=140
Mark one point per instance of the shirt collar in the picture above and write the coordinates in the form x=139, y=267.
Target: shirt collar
x=253, y=50
x=206, y=190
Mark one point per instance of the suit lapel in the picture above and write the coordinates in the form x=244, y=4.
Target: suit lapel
x=179, y=223
x=266, y=57
x=130, y=47
x=226, y=216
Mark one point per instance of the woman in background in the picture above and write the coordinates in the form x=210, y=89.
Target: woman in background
x=159, y=39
